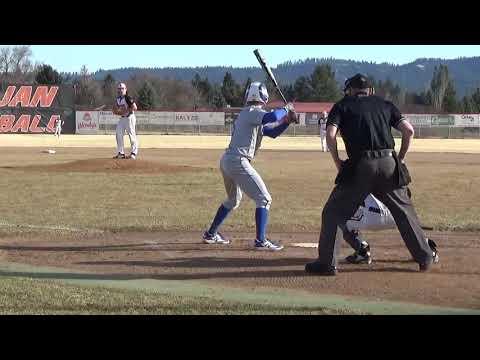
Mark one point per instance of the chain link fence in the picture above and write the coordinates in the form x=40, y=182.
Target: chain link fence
x=444, y=132
x=222, y=124
x=441, y=132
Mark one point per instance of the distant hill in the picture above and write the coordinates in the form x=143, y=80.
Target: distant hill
x=414, y=76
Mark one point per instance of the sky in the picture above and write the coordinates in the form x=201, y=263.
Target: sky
x=70, y=58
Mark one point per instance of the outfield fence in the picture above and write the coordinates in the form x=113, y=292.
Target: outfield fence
x=454, y=126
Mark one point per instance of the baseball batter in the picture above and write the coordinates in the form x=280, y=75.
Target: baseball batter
x=239, y=176
x=125, y=107
x=58, y=127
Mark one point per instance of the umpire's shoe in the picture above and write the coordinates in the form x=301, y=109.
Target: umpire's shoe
x=318, y=268
x=426, y=266
x=362, y=256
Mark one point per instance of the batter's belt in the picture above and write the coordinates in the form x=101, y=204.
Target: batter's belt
x=348, y=169
x=376, y=154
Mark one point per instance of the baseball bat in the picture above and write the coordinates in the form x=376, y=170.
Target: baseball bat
x=270, y=75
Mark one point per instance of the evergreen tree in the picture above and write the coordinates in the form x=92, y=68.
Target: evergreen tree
x=146, y=97
x=324, y=87
x=46, y=75
x=231, y=90
x=302, y=89
x=108, y=87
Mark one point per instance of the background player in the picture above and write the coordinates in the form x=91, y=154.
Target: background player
x=239, y=176
x=323, y=131
x=58, y=127
x=125, y=107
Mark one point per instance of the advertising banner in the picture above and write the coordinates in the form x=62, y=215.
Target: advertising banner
x=32, y=109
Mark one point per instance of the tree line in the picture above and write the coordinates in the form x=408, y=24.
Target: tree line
x=414, y=76
x=156, y=93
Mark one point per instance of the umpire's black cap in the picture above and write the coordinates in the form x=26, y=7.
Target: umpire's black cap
x=358, y=81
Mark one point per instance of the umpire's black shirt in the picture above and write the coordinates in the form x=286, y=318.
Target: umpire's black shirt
x=365, y=123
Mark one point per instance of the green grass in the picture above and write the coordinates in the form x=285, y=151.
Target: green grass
x=41, y=297
x=446, y=190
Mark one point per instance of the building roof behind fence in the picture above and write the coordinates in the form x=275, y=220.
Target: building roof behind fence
x=305, y=107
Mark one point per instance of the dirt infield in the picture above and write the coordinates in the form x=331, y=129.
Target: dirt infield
x=294, y=143
x=113, y=166
x=454, y=282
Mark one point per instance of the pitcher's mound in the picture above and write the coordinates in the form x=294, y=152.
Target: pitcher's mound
x=114, y=165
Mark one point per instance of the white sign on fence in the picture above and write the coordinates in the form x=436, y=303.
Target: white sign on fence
x=107, y=118
x=458, y=120
x=161, y=117
x=166, y=118
x=467, y=120
x=419, y=119
x=86, y=122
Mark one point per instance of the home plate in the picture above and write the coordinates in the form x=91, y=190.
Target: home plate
x=305, y=245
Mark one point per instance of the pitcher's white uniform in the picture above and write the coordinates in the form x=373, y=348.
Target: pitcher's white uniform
x=126, y=124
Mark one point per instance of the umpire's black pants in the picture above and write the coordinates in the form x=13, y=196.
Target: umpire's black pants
x=377, y=176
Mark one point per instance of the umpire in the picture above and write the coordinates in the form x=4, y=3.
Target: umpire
x=372, y=167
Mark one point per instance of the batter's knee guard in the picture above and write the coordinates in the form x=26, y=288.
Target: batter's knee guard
x=233, y=203
x=264, y=202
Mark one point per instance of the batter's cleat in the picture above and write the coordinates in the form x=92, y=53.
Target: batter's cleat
x=362, y=256
x=318, y=268
x=133, y=156
x=267, y=245
x=120, y=156
x=214, y=239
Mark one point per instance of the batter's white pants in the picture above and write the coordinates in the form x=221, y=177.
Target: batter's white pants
x=239, y=176
x=127, y=124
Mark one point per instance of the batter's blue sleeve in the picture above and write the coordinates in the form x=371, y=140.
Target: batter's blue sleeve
x=273, y=131
x=274, y=116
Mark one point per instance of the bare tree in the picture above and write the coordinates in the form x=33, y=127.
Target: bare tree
x=5, y=64
x=16, y=65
